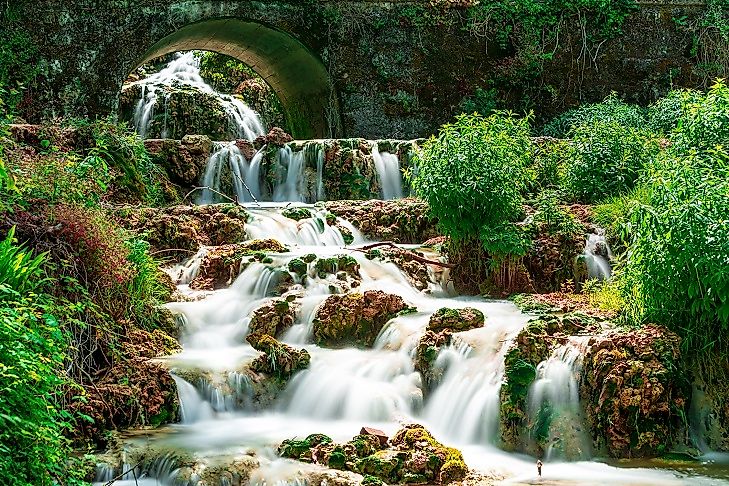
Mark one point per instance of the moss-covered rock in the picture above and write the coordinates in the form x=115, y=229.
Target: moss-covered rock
x=456, y=319
x=426, y=353
x=136, y=391
x=298, y=267
x=297, y=213
x=355, y=318
x=273, y=318
x=532, y=345
x=278, y=359
x=183, y=160
x=413, y=456
x=401, y=220
x=635, y=391
x=301, y=448
x=222, y=264
x=179, y=231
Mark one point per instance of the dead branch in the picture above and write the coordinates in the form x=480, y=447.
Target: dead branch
x=410, y=254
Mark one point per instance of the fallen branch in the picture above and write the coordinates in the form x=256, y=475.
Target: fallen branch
x=173, y=249
x=123, y=473
x=411, y=254
x=201, y=188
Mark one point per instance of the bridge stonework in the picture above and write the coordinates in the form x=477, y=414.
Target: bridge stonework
x=361, y=68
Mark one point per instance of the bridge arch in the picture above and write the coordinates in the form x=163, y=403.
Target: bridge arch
x=296, y=75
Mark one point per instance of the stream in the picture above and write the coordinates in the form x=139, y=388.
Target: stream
x=346, y=389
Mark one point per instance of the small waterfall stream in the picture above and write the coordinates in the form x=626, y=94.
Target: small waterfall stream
x=388, y=172
x=345, y=389
x=184, y=70
x=554, y=402
x=597, y=256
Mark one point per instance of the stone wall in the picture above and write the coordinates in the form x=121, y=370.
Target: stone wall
x=348, y=68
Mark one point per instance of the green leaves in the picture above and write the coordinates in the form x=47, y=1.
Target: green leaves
x=473, y=175
x=678, y=269
x=606, y=159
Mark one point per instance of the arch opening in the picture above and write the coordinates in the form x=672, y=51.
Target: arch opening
x=296, y=75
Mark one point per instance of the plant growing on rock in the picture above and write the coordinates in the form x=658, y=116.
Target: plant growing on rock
x=473, y=176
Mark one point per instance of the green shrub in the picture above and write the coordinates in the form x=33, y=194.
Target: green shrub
x=666, y=113
x=705, y=122
x=33, y=450
x=473, y=176
x=678, y=270
x=547, y=169
x=606, y=160
x=553, y=218
x=610, y=110
x=613, y=215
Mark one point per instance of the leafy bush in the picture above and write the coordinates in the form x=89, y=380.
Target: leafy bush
x=611, y=110
x=705, y=122
x=473, y=176
x=613, y=215
x=547, y=169
x=554, y=219
x=32, y=346
x=606, y=160
x=665, y=114
x=107, y=162
x=678, y=270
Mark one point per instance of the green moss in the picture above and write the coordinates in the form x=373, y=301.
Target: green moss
x=309, y=258
x=298, y=267
x=297, y=213
x=337, y=460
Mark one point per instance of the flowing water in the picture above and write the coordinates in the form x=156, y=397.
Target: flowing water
x=184, y=71
x=554, y=402
x=388, y=172
x=346, y=389
x=597, y=256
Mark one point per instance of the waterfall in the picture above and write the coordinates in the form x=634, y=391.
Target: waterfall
x=346, y=388
x=184, y=70
x=554, y=402
x=597, y=256
x=228, y=172
x=292, y=187
x=388, y=173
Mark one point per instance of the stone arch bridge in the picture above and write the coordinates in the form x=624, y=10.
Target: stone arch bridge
x=341, y=68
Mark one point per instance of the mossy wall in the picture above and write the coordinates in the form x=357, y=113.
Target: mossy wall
x=397, y=69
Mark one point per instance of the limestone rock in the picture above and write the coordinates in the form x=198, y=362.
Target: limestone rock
x=635, y=390
x=273, y=318
x=179, y=231
x=278, y=359
x=401, y=220
x=355, y=318
x=456, y=319
x=413, y=456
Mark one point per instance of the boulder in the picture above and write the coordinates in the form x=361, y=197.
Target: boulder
x=222, y=264
x=400, y=220
x=456, y=319
x=635, y=391
x=278, y=359
x=179, y=231
x=273, y=318
x=413, y=456
x=355, y=318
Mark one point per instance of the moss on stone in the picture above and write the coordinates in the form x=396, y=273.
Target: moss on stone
x=297, y=213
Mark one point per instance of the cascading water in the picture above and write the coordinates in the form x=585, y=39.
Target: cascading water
x=597, y=256
x=184, y=70
x=345, y=389
x=554, y=402
x=229, y=173
x=388, y=172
